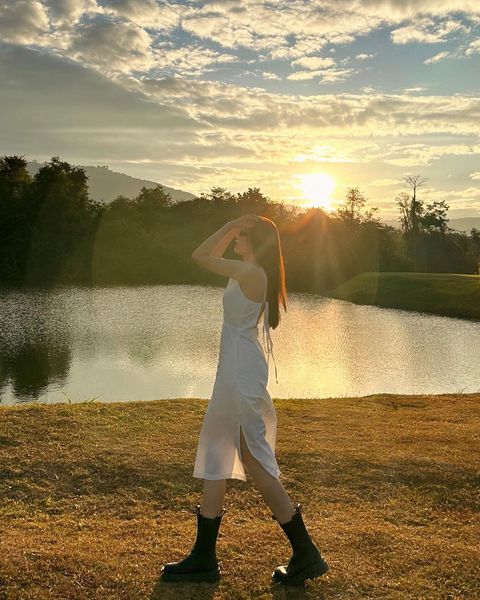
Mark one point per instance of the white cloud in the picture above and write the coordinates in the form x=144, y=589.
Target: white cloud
x=191, y=60
x=475, y=175
x=436, y=58
x=314, y=62
x=334, y=75
x=269, y=75
x=418, y=88
x=427, y=31
x=294, y=31
x=364, y=56
x=473, y=48
x=327, y=75
x=148, y=13
x=304, y=75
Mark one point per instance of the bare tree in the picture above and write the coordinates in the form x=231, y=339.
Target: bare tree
x=413, y=183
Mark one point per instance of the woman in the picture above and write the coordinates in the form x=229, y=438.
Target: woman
x=239, y=426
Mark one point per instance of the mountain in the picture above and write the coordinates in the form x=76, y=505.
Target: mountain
x=105, y=185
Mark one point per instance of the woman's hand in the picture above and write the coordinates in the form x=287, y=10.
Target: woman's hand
x=245, y=221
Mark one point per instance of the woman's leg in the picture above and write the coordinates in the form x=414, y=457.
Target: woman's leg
x=270, y=487
x=213, y=497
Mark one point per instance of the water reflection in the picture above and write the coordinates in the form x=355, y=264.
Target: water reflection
x=150, y=342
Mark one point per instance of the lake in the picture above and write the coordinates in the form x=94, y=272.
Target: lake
x=152, y=342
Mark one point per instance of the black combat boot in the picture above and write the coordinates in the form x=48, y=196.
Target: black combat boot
x=201, y=564
x=306, y=561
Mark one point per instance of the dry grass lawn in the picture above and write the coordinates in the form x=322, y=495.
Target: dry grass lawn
x=96, y=497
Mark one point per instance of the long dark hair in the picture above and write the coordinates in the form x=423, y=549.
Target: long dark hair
x=265, y=241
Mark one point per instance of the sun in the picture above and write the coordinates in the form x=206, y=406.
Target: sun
x=317, y=189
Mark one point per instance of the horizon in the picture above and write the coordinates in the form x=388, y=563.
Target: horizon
x=303, y=102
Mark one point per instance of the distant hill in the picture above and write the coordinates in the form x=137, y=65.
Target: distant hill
x=105, y=185
x=463, y=224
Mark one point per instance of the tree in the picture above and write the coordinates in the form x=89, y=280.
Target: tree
x=416, y=206
x=351, y=211
x=218, y=195
x=150, y=205
x=435, y=217
x=474, y=239
x=403, y=203
x=14, y=177
x=14, y=183
x=155, y=197
x=58, y=204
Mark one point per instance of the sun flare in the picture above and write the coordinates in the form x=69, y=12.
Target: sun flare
x=317, y=189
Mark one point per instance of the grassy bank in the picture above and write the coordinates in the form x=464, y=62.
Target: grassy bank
x=437, y=293
x=96, y=497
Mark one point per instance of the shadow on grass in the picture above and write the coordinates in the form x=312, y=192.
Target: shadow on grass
x=164, y=590
x=442, y=484
x=203, y=591
x=44, y=483
x=446, y=485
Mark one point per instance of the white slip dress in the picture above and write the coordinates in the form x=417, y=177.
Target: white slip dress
x=240, y=398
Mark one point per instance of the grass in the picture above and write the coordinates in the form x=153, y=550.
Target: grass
x=96, y=497
x=447, y=294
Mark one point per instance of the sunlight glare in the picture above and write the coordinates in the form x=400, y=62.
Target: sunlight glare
x=317, y=189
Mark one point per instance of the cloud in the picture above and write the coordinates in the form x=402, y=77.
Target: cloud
x=327, y=75
x=238, y=109
x=314, y=62
x=467, y=198
x=418, y=88
x=294, y=31
x=427, y=31
x=192, y=60
x=79, y=109
x=112, y=45
x=437, y=58
x=334, y=75
x=162, y=16
x=120, y=81
x=364, y=56
x=473, y=48
x=55, y=104
x=22, y=21
x=319, y=66
x=269, y=75
x=423, y=154
x=475, y=175
x=304, y=75
x=65, y=13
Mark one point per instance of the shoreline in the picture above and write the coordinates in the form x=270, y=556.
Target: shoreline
x=454, y=295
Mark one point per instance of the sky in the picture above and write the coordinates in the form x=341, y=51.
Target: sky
x=302, y=99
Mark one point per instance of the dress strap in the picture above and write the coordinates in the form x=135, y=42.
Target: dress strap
x=267, y=343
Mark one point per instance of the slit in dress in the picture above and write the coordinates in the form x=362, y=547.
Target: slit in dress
x=240, y=431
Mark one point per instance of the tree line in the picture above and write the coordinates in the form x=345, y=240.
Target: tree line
x=53, y=233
